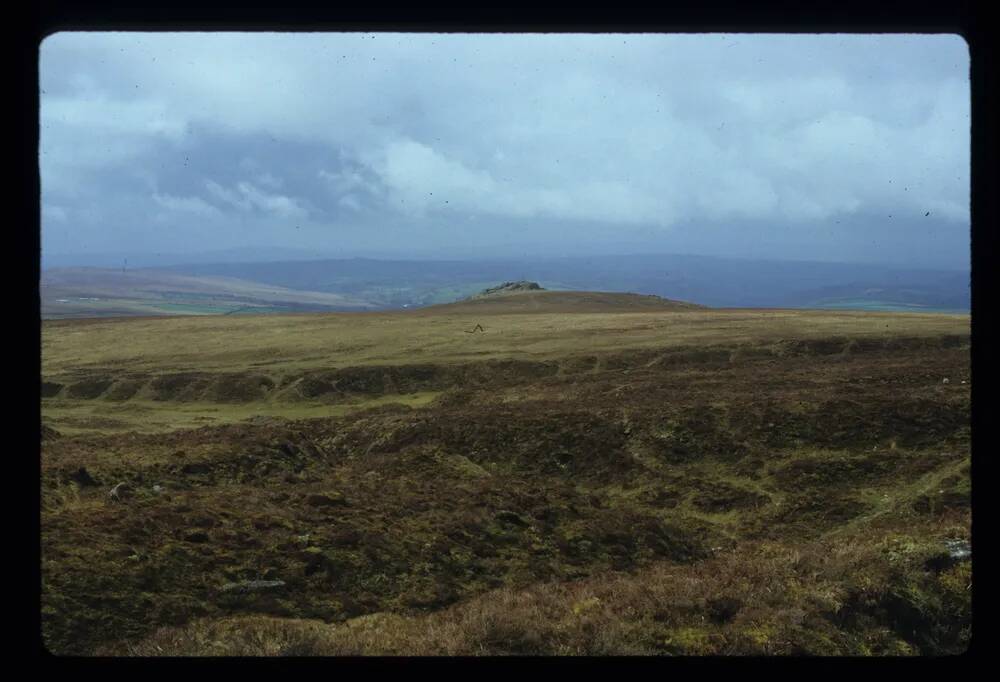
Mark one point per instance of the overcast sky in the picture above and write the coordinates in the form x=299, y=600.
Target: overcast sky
x=837, y=147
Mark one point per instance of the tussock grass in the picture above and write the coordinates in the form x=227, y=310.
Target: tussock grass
x=764, y=599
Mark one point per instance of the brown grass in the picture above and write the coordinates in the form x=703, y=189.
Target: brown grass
x=621, y=492
x=293, y=342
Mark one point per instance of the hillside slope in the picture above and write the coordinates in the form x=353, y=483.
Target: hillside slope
x=280, y=344
x=541, y=301
x=96, y=292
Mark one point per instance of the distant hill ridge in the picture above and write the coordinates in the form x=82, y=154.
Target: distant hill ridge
x=411, y=284
x=529, y=297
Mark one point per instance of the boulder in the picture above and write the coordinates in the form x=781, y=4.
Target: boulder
x=955, y=551
x=326, y=500
x=512, y=518
x=83, y=477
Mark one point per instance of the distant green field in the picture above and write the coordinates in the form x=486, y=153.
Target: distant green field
x=114, y=307
x=120, y=306
x=455, y=293
x=191, y=308
x=880, y=306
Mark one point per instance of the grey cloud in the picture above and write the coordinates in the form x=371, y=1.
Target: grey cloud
x=427, y=139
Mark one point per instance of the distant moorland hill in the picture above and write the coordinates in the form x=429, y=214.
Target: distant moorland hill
x=529, y=297
x=98, y=292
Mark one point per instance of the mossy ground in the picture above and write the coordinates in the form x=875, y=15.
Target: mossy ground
x=793, y=501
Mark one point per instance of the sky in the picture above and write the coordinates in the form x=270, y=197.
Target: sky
x=850, y=148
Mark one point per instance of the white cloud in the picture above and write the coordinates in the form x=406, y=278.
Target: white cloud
x=247, y=197
x=269, y=180
x=193, y=205
x=229, y=197
x=422, y=179
x=349, y=201
x=277, y=204
x=348, y=180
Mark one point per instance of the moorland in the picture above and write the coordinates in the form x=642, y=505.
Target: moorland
x=551, y=473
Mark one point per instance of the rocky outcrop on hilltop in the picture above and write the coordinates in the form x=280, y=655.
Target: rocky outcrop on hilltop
x=510, y=288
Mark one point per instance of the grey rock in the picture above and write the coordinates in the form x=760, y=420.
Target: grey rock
x=955, y=552
x=120, y=492
x=512, y=518
x=253, y=586
x=958, y=549
x=509, y=287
